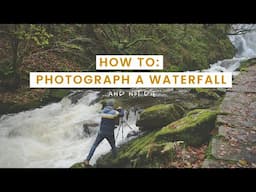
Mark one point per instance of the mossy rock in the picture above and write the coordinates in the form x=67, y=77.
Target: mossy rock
x=244, y=69
x=194, y=129
x=220, y=91
x=141, y=152
x=158, y=116
x=51, y=95
x=6, y=108
x=245, y=64
x=55, y=95
x=207, y=93
x=81, y=165
x=159, y=147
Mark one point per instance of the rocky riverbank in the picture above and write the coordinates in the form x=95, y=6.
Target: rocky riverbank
x=180, y=141
x=27, y=99
x=176, y=129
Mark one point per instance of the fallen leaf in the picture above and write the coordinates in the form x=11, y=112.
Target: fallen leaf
x=243, y=162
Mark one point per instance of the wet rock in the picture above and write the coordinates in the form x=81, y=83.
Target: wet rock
x=75, y=96
x=207, y=93
x=157, y=116
x=160, y=146
x=194, y=128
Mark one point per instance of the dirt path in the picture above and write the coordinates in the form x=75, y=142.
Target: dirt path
x=235, y=144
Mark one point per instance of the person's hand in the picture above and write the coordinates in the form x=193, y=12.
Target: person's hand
x=119, y=108
x=121, y=111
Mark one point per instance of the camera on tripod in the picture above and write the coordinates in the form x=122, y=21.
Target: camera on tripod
x=122, y=122
x=121, y=111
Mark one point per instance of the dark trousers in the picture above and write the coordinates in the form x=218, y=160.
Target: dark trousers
x=99, y=138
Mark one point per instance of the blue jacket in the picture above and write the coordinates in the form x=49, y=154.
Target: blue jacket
x=108, y=116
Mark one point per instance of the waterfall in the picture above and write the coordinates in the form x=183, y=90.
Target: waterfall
x=246, y=48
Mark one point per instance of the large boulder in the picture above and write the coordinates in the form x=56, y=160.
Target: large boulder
x=159, y=147
x=157, y=116
x=194, y=129
x=208, y=93
x=142, y=152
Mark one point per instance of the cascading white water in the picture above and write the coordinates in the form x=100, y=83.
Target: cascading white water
x=246, y=48
x=52, y=136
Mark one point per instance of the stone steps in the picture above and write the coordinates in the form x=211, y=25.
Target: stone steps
x=235, y=144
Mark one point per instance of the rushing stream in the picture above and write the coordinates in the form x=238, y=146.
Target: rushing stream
x=246, y=49
x=53, y=136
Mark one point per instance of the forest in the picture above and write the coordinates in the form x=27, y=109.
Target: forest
x=73, y=47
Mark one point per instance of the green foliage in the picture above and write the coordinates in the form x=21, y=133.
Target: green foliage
x=245, y=64
x=6, y=69
x=194, y=129
x=184, y=46
x=187, y=46
x=36, y=33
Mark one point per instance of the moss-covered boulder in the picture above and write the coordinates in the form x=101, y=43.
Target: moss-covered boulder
x=142, y=152
x=157, y=116
x=208, y=93
x=55, y=95
x=245, y=64
x=159, y=147
x=81, y=165
x=194, y=129
x=12, y=107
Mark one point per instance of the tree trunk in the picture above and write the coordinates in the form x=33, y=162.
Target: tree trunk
x=15, y=62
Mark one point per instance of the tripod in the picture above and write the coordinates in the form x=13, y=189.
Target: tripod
x=121, y=127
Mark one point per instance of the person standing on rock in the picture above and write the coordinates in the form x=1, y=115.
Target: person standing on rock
x=107, y=126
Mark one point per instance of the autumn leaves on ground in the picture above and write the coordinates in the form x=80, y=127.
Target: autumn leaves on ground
x=234, y=145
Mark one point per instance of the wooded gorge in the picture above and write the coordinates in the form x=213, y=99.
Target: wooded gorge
x=64, y=47
x=181, y=128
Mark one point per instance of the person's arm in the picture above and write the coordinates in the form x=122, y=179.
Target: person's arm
x=112, y=115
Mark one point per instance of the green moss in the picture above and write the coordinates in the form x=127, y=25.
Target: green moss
x=6, y=108
x=141, y=152
x=208, y=153
x=220, y=91
x=51, y=95
x=174, y=68
x=202, y=47
x=129, y=154
x=158, y=116
x=158, y=147
x=194, y=129
x=58, y=94
x=207, y=93
x=245, y=69
x=245, y=64
x=81, y=165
